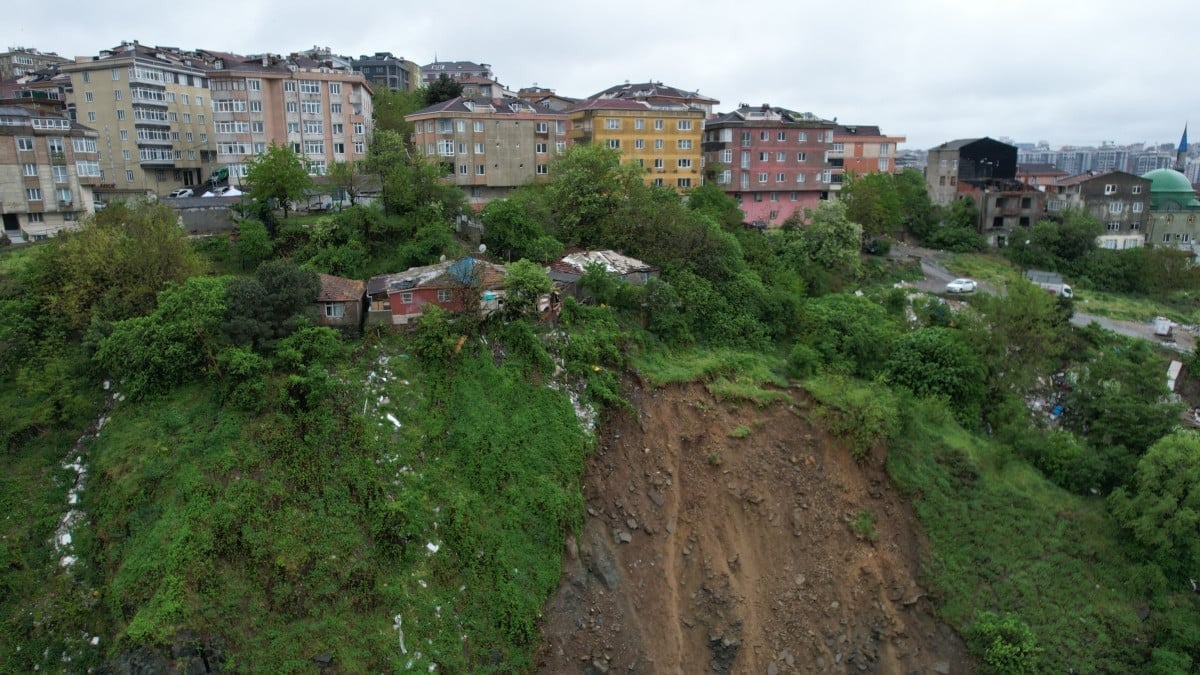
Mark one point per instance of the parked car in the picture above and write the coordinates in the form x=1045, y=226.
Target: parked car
x=961, y=286
x=181, y=193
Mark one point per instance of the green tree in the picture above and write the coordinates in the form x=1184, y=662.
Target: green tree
x=1162, y=507
x=852, y=334
x=1007, y=644
x=269, y=306
x=112, y=268
x=443, y=88
x=172, y=345
x=411, y=186
x=278, y=174
x=349, y=178
x=253, y=242
x=958, y=229
x=916, y=209
x=712, y=201
x=873, y=202
x=511, y=231
x=389, y=108
x=524, y=283
x=588, y=190
x=829, y=242
x=939, y=362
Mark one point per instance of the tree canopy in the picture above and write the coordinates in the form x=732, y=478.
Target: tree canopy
x=278, y=175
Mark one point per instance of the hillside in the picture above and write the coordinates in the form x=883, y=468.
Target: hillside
x=726, y=537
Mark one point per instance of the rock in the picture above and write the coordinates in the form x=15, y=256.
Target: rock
x=599, y=666
x=572, y=547
x=671, y=526
x=632, y=523
x=772, y=669
x=625, y=537
x=942, y=668
x=656, y=497
x=323, y=660
x=800, y=579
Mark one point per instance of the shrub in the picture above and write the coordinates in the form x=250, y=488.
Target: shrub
x=863, y=414
x=803, y=361
x=1006, y=643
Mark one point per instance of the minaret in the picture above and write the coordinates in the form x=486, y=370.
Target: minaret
x=1181, y=155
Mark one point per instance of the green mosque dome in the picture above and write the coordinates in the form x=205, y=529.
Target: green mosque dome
x=1171, y=191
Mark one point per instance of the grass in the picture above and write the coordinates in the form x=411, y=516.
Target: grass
x=1128, y=308
x=740, y=431
x=1005, y=539
x=728, y=374
x=989, y=268
x=864, y=525
x=863, y=414
x=14, y=260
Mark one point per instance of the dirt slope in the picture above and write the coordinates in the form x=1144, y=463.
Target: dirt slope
x=704, y=552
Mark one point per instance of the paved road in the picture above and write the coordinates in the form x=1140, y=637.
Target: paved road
x=937, y=276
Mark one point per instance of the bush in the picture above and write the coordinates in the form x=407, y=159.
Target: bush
x=803, y=361
x=863, y=414
x=1006, y=643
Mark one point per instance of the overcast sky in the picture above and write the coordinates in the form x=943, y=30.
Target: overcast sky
x=1066, y=71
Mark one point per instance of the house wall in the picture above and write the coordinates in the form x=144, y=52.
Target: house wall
x=941, y=175
x=351, y=314
x=681, y=136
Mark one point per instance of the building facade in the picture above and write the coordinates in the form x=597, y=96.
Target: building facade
x=48, y=167
x=773, y=161
x=663, y=139
x=151, y=108
x=1119, y=200
x=657, y=93
x=861, y=149
x=1174, y=211
x=455, y=70
x=490, y=146
x=383, y=70
x=319, y=110
x=19, y=61
x=984, y=170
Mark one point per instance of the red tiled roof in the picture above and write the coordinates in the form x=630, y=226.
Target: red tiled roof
x=335, y=289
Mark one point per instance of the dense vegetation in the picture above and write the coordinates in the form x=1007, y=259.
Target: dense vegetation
x=273, y=491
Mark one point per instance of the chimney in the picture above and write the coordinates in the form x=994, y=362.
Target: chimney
x=264, y=61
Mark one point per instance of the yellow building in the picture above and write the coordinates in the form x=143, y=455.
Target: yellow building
x=662, y=138
x=151, y=109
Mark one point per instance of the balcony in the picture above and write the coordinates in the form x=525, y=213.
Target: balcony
x=64, y=204
x=59, y=158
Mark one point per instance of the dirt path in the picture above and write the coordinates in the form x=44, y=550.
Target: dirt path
x=704, y=551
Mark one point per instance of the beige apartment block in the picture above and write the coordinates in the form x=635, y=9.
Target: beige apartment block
x=490, y=146
x=19, y=62
x=151, y=108
x=48, y=166
x=316, y=107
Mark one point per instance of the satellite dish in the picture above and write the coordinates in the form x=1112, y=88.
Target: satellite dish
x=483, y=248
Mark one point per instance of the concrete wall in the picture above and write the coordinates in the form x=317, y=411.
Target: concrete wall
x=204, y=215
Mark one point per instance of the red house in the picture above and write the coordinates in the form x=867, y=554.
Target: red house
x=401, y=298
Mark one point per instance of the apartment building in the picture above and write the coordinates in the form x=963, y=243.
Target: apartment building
x=772, y=160
x=1118, y=199
x=383, y=70
x=657, y=93
x=48, y=167
x=490, y=146
x=150, y=107
x=861, y=149
x=319, y=109
x=985, y=171
x=19, y=61
x=664, y=139
x=455, y=70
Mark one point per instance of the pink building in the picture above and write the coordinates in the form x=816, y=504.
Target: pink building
x=773, y=161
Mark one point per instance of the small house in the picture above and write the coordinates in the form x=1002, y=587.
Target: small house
x=400, y=298
x=568, y=270
x=340, y=302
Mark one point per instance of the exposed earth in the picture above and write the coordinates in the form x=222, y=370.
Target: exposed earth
x=723, y=537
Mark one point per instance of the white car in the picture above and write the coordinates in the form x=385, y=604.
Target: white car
x=180, y=193
x=961, y=286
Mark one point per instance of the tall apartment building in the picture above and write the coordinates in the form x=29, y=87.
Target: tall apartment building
x=150, y=107
x=455, y=70
x=663, y=139
x=1118, y=199
x=490, y=146
x=772, y=160
x=861, y=149
x=318, y=109
x=383, y=70
x=19, y=61
x=48, y=166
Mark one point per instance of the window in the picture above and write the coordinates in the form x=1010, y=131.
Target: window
x=764, y=177
x=1135, y=225
x=360, y=147
x=802, y=137
x=1114, y=226
x=292, y=106
x=59, y=173
x=116, y=74
x=479, y=148
x=187, y=100
x=800, y=178
x=780, y=157
x=255, y=107
x=316, y=128
x=24, y=143
x=684, y=144
x=684, y=125
x=479, y=168
x=763, y=135
x=290, y=85
x=658, y=182
x=781, y=136
x=639, y=144
x=560, y=127
x=358, y=128
x=29, y=169
x=659, y=125
x=941, y=180
x=335, y=88
x=335, y=108
x=460, y=126
x=87, y=77
x=462, y=169
x=187, y=118
x=792, y=196
x=63, y=195
x=764, y=156
x=883, y=164
x=541, y=128
x=1137, y=207
x=316, y=168
x=479, y=126
x=120, y=115
x=310, y=87
x=87, y=96
x=406, y=298
x=91, y=115
x=684, y=182
x=314, y=147
x=1115, y=207
x=1137, y=189
x=1110, y=189
x=444, y=295
x=334, y=310
x=293, y=127
x=614, y=143
x=541, y=170
x=685, y=163
x=126, y=155
x=658, y=163
x=659, y=144
x=256, y=128
x=310, y=107
x=639, y=124
x=35, y=218
x=33, y=194
x=610, y=123
x=339, y=148
x=1166, y=238
x=539, y=148
x=838, y=147
x=560, y=146
x=780, y=177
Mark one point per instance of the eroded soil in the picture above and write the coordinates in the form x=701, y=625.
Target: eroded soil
x=721, y=538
